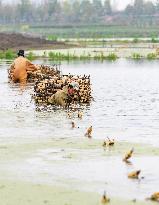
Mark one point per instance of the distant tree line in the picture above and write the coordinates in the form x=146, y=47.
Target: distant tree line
x=79, y=12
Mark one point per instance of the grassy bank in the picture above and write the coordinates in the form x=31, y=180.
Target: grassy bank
x=95, y=55
x=53, y=32
x=8, y=54
x=85, y=56
x=86, y=31
x=81, y=54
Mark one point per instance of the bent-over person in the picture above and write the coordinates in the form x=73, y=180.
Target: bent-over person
x=20, y=69
x=63, y=97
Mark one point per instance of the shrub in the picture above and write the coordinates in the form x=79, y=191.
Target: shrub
x=153, y=40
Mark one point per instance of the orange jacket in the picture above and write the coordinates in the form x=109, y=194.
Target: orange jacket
x=20, y=67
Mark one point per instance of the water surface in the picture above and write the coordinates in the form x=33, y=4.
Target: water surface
x=126, y=104
x=125, y=107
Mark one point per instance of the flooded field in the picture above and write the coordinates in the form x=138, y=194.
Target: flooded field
x=121, y=50
x=39, y=147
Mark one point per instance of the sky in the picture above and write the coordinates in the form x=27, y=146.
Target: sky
x=121, y=4
x=118, y=4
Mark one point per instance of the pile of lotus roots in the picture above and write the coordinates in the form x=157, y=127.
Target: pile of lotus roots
x=48, y=80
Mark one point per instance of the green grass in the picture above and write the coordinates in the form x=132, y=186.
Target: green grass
x=8, y=54
x=52, y=37
x=136, y=56
x=97, y=31
x=58, y=56
x=154, y=40
x=87, y=31
x=31, y=56
x=85, y=56
x=2, y=55
x=151, y=56
x=135, y=40
x=112, y=57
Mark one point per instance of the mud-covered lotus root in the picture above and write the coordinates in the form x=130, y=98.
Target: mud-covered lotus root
x=46, y=88
x=48, y=80
x=44, y=72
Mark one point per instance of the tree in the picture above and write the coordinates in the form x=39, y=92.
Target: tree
x=66, y=10
x=97, y=6
x=129, y=10
x=149, y=8
x=49, y=11
x=86, y=11
x=75, y=14
x=98, y=10
x=51, y=6
x=157, y=5
x=24, y=10
x=138, y=7
x=107, y=8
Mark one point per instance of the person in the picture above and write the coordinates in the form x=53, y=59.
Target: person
x=63, y=97
x=20, y=69
x=74, y=83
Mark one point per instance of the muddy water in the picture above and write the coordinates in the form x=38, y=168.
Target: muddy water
x=125, y=107
x=126, y=104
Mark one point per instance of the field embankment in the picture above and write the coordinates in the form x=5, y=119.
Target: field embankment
x=17, y=41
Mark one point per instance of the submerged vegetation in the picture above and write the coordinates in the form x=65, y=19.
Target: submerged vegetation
x=69, y=56
x=136, y=56
x=31, y=56
x=10, y=54
x=135, y=40
x=58, y=56
x=151, y=56
x=84, y=56
x=112, y=56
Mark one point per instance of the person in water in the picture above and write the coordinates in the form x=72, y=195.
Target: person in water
x=63, y=97
x=20, y=69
